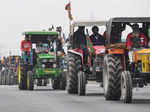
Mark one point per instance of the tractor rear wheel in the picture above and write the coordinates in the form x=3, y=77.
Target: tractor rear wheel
x=112, y=77
x=81, y=83
x=126, y=87
x=73, y=65
x=30, y=81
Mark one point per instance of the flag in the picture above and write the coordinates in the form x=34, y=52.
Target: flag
x=68, y=8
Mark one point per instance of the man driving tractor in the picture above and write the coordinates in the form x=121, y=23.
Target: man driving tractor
x=135, y=40
x=96, y=38
x=132, y=41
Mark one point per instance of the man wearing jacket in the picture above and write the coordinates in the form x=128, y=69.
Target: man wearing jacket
x=80, y=42
x=96, y=38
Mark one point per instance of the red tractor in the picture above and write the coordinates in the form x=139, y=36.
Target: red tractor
x=78, y=73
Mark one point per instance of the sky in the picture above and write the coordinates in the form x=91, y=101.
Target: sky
x=17, y=16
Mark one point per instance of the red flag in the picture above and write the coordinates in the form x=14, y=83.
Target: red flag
x=68, y=8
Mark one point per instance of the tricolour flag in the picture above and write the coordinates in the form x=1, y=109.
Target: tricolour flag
x=68, y=8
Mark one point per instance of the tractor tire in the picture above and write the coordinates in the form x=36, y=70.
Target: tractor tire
x=8, y=78
x=126, y=87
x=16, y=80
x=55, y=84
x=73, y=68
x=12, y=78
x=0, y=78
x=112, y=77
x=23, y=81
x=81, y=83
x=30, y=81
x=45, y=82
x=63, y=81
x=39, y=82
x=5, y=77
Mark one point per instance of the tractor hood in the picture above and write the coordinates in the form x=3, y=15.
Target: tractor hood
x=46, y=56
x=141, y=54
x=99, y=49
x=143, y=51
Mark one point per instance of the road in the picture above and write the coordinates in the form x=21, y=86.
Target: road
x=44, y=99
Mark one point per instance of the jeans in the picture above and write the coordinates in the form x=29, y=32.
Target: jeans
x=24, y=53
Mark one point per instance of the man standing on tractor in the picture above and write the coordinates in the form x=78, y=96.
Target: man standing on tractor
x=96, y=38
x=80, y=42
x=60, y=41
x=26, y=46
x=61, y=35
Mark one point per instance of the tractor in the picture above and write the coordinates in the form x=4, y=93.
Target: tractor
x=4, y=71
x=47, y=62
x=78, y=74
x=120, y=75
x=12, y=69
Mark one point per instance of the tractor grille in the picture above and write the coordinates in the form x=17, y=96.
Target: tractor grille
x=49, y=65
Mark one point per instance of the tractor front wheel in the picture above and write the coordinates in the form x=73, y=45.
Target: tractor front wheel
x=30, y=81
x=126, y=87
x=39, y=82
x=55, y=84
x=63, y=81
x=81, y=83
x=45, y=82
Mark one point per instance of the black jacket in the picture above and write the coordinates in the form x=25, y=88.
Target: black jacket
x=97, y=39
x=79, y=39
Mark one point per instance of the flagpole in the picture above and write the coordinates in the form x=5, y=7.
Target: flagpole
x=69, y=19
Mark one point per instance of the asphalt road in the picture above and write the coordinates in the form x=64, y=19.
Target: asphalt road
x=44, y=99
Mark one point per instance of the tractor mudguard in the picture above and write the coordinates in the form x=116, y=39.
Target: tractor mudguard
x=78, y=52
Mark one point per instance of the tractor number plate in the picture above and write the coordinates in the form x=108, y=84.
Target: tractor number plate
x=65, y=70
x=97, y=69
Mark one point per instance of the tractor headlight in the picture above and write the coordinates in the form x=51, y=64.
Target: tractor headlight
x=43, y=65
x=54, y=65
x=50, y=61
x=44, y=60
x=149, y=58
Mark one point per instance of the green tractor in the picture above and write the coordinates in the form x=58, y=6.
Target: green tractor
x=48, y=62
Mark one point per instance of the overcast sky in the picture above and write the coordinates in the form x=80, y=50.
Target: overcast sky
x=17, y=16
